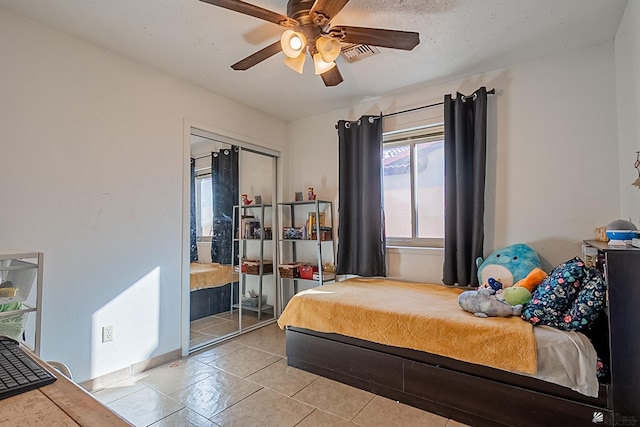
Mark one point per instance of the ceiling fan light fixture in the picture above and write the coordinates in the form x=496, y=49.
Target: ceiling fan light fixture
x=328, y=48
x=293, y=43
x=320, y=65
x=296, y=64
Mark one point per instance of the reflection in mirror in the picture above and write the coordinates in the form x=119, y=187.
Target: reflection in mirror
x=255, y=231
x=229, y=225
x=213, y=279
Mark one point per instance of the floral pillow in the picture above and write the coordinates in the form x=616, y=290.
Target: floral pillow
x=554, y=297
x=588, y=303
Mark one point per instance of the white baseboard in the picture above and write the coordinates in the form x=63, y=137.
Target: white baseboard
x=123, y=374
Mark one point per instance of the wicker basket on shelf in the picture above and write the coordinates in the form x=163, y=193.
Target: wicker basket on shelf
x=252, y=266
x=289, y=271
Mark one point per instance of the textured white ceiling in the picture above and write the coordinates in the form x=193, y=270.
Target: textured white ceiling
x=198, y=42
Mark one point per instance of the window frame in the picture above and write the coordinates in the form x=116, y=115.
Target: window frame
x=413, y=137
x=199, y=177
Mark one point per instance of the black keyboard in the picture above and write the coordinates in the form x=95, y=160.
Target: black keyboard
x=18, y=371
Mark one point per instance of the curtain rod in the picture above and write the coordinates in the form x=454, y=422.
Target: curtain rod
x=245, y=149
x=489, y=92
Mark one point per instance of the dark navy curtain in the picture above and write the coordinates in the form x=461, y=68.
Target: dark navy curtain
x=224, y=187
x=194, y=246
x=361, y=238
x=465, y=145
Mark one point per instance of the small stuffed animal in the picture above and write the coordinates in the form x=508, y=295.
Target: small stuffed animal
x=494, y=284
x=533, y=279
x=521, y=292
x=516, y=295
x=310, y=194
x=483, y=303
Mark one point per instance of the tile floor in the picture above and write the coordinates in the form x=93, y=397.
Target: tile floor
x=209, y=328
x=246, y=382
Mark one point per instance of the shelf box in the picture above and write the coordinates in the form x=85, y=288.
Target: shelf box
x=307, y=271
x=289, y=271
x=292, y=233
x=253, y=301
x=8, y=292
x=325, y=276
x=253, y=266
x=325, y=234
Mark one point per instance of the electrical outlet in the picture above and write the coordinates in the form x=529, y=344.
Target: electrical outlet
x=107, y=333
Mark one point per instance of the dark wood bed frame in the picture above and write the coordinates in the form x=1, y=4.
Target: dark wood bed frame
x=482, y=396
x=468, y=393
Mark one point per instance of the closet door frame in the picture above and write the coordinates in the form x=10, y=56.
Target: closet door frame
x=259, y=147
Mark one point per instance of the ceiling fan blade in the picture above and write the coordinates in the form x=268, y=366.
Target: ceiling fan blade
x=255, y=11
x=329, y=8
x=332, y=77
x=393, y=39
x=258, y=57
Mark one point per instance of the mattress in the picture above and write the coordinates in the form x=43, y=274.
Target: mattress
x=211, y=275
x=566, y=358
x=424, y=317
x=402, y=315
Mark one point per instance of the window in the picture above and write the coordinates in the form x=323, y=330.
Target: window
x=413, y=185
x=204, y=205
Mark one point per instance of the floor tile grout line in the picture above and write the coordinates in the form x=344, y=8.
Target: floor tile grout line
x=181, y=388
x=261, y=369
x=307, y=416
x=208, y=324
x=249, y=348
x=184, y=405
x=162, y=418
x=256, y=341
x=275, y=354
x=208, y=363
x=232, y=405
x=299, y=391
x=319, y=378
x=155, y=391
x=128, y=394
x=191, y=385
x=245, y=377
x=363, y=408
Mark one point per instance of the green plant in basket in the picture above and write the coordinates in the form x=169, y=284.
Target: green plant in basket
x=12, y=325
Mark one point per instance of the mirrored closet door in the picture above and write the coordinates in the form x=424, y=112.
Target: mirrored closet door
x=254, y=238
x=232, y=285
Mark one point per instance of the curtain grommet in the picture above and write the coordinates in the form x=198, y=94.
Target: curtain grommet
x=347, y=125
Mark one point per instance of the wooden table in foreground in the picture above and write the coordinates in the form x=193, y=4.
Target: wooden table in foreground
x=62, y=403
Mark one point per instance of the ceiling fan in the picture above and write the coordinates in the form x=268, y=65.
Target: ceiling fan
x=309, y=30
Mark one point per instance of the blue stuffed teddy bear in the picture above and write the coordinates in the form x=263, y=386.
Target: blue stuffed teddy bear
x=497, y=274
x=507, y=266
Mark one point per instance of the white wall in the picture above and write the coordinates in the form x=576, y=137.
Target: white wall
x=552, y=156
x=627, y=54
x=91, y=158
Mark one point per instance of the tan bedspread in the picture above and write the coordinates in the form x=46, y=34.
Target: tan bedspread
x=423, y=317
x=211, y=275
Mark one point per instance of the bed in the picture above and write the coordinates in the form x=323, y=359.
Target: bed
x=213, y=286
x=413, y=343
